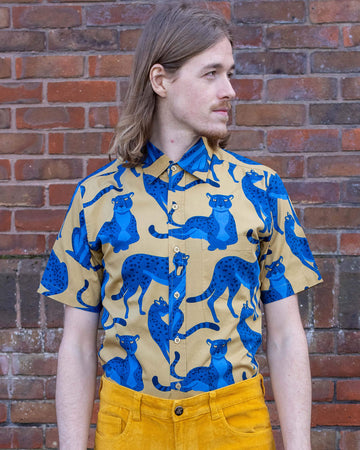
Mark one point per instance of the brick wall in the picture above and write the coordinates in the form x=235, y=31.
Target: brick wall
x=63, y=72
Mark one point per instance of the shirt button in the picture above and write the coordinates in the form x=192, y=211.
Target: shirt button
x=176, y=249
x=179, y=409
x=177, y=340
x=175, y=206
x=176, y=294
x=173, y=168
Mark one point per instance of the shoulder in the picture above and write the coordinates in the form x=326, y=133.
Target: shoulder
x=243, y=163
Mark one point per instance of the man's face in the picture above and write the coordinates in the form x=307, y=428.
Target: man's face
x=199, y=94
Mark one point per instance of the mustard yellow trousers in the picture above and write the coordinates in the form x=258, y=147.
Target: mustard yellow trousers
x=234, y=417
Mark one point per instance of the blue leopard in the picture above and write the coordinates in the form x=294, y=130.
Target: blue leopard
x=250, y=338
x=280, y=286
x=55, y=278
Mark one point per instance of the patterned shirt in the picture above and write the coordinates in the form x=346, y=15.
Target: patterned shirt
x=178, y=257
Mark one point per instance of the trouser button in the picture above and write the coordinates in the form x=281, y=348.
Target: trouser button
x=179, y=410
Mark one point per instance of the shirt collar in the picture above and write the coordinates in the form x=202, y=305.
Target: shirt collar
x=196, y=160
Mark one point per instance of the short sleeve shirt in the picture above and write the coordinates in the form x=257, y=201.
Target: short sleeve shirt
x=178, y=257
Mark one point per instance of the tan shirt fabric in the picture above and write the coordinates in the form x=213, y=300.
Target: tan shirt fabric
x=178, y=256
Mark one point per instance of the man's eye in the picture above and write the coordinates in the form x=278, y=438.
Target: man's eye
x=211, y=74
x=230, y=74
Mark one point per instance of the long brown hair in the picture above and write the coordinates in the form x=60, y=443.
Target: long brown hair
x=174, y=34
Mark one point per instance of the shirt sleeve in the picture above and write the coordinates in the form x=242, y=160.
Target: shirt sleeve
x=287, y=264
x=73, y=274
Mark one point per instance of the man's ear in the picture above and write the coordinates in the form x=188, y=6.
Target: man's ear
x=159, y=80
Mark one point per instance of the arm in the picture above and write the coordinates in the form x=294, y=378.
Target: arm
x=288, y=360
x=76, y=378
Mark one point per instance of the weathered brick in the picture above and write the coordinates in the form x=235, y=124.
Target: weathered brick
x=8, y=296
x=302, y=89
x=34, y=364
x=54, y=16
x=351, y=139
x=246, y=140
x=322, y=243
x=95, y=164
x=351, y=34
x=39, y=220
x=349, y=285
x=4, y=364
x=50, y=117
x=22, y=244
x=103, y=116
x=350, y=243
x=351, y=88
x=270, y=115
x=333, y=166
x=344, y=366
x=5, y=120
x=54, y=312
x=305, y=36
x=33, y=412
x=21, y=143
x=5, y=220
x=323, y=439
x=60, y=194
x=322, y=390
x=348, y=341
x=129, y=38
x=21, y=437
x=110, y=65
x=50, y=388
x=303, y=140
x=82, y=91
x=17, y=195
x=247, y=89
x=79, y=143
x=320, y=341
x=52, y=339
x=126, y=14
x=348, y=390
x=5, y=169
x=349, y=439
x=247, y=36
x=324, y=302
x=261, y=63
x=52, y=438
x=335, y=113
x=285, y=166
x=29, y=278
x=20, y=93
x=5, y=67
x=269, y=11
x=27, y=388
x=22, y=41
x=332, y=217
x=334, y=11
x=335, y=62
x=350, y=191
x=21, y=341
x=4, y=17
x=49, y=66
x=47, y=169
x=83, y=40
x=335, y=414
x=313, y=192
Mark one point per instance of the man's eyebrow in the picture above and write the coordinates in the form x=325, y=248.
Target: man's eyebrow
x=217, y=66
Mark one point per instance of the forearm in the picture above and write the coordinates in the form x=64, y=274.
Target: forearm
x=291, y=382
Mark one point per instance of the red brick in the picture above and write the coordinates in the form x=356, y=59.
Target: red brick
x=343, y=366
x=335, y=62
x=351, y=139
x=21, y=437
x=33, y=412
x=320, y=341
x=270, y=63
x=349, y=440
x=79, y=143
x=34, y=364
x=351, y=35
x=4, y=17
x=20, y=93
x=110, y=65
x=5, y=120
x=82, y=91
x=351, y=88
x=350, y=243
x=334, y=11
x=335, y=414
x=24, y=341
x=5, y=67
x=52, y=339
x=128, y=14
x=52, y=438
x=27, y=389
x=47, y=169
x=223, y=8
x=304, y=36
x=103, y=116
x=313, y=192
x=4, y=364
x=49, y=66
x=269, y=11
x=50, y=388
x=95, y=163
x=270, y=115
x=333, y=166
x=302, y=89
x=323, y=439
x=54, y=16
x=332, y=217
x=83, y=40
x=5, y=169
x=350, y=191
x=335, y=113
x=246, y=140
x=21, y=143
x=39, y=220
x=322, y=243
x=60, y=194
x=348, y=390
x=21, y=244
x=5, y=220
x=247, y=89
x=348, y=341
x=285, y=166
x=3, y=412
x=22, y=41
x=247, y=36
x=324, y=302
x=129, y=39
x=50, y=117
x=22, y=196
x=303, y=140
x=322, y=390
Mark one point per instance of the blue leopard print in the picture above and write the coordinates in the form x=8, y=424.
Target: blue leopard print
x=279, y=287
x=55, y=278
x=250, y=338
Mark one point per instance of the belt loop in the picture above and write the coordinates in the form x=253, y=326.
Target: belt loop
x=213, y=406
x=262, y=384
x=136, y=412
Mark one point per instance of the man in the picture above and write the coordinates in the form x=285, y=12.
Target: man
x=178, y=242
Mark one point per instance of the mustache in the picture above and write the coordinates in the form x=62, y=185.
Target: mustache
x=225, y=105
